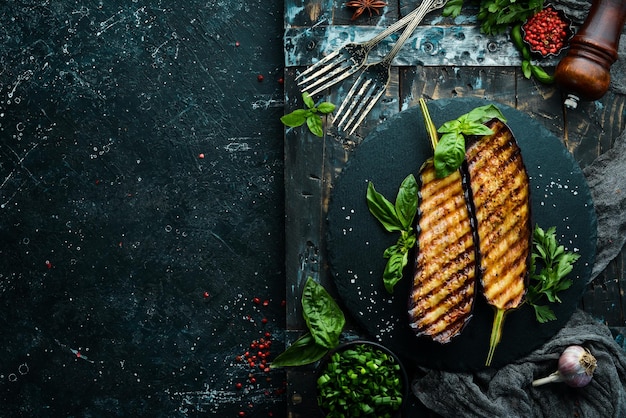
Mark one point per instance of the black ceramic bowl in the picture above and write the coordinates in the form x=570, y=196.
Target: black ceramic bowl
x=564, y=37
x=370, y=345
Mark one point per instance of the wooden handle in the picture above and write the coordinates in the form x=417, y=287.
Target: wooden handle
x=584, y=73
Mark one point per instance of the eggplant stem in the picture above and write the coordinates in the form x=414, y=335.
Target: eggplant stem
x=554, y=377
x=496, y=334
x=431, y=129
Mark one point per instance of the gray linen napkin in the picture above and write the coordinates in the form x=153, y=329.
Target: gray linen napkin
x=507, y=392
x=606, y=177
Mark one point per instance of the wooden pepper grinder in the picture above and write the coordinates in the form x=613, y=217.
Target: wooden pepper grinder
x=584, y=73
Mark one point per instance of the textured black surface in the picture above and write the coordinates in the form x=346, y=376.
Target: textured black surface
x=113, y=227
x=559, y=195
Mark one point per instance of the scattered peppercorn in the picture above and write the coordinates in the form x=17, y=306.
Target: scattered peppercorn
x=260, y=77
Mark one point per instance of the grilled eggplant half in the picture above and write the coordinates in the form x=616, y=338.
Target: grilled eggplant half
x=500, y=192
x=444, y=281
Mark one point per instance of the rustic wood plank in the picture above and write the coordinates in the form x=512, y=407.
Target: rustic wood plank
x=343, y=15
x=304, y=156
x=603, y=299
x=541, y=101
x=308, y=12
x=593, y=126
x=429, y=45
x=497, y=84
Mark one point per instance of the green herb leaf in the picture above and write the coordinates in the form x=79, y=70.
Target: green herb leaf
x=483, y=114
x=326, y=107
x=550, y=264
x=295, y=118
x=315, y=125
x=543, y=313
x=303, y=351
x=393, y=270
x=450, y=150
x=406, y=202
x=452, y=8
x=308, y=100
x=322, y=314
x=383, y=209
x=449, y=154
x=309, y=115
x=396, y=217
x=497, y=15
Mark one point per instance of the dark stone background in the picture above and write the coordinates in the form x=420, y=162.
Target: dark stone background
x=112, y=226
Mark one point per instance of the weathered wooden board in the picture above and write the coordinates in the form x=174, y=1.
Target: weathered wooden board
x=429, y=45
x=444, y=58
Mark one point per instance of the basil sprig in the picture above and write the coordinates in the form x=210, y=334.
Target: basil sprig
x=450, y=150
x=396, y=217
x=325, y=321
x=309, y=115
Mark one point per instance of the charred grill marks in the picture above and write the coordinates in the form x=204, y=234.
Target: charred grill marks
x=500, y=189
x=473, y=224
x=445, y=271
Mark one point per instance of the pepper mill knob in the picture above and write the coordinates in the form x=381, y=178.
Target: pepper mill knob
x=584, y=73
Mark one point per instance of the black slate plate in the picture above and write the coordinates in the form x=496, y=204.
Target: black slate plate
x=560, y=197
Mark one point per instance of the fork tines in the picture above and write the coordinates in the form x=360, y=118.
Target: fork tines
x=360, y=100
x=329, y=71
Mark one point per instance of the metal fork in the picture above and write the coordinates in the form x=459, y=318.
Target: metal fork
x=345, y=61
x=373, y=81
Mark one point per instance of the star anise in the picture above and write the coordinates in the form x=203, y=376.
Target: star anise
x=363, y=5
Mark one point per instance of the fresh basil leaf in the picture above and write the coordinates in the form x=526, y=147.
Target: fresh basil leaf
x=295, y=118
x=326, y=107
x=449, y=154
x=321, y=314
x=485, y=113
x=406, y=201
x=303, y=351
x=476, y=128
x=394, y=249
x=382, y=209
x=452, y=126
x=308, y=100
x=315, y=125
x=407, y=240
x=393, y=270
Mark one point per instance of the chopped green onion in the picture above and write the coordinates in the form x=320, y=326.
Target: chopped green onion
x=360, y=381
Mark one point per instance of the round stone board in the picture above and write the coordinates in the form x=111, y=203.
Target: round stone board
x=356, y=241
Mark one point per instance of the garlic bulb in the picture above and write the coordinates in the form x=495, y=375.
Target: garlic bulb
x=576, y=367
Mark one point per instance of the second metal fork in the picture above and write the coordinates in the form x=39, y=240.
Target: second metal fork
x=345, y=61
x=373, y=81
